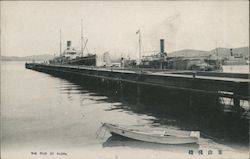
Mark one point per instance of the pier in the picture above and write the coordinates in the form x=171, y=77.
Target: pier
x=193, y=86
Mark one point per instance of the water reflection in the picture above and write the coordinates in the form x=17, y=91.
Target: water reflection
x=159, y=119
x=119, y=141
x=224, y=130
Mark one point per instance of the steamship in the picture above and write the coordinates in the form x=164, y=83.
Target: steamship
x=235, y=59
x=74, y=57
x=162, y=61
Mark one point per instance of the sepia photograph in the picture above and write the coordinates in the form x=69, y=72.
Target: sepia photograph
x=124, y=79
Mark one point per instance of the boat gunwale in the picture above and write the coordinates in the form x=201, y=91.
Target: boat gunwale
x=148, y=134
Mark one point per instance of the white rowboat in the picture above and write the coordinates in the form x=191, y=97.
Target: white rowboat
x=154, y=136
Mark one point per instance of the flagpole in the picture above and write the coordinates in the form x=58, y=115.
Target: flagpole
x=139, y=46
x=81, y=38
x=60, y=42
x=139, y=32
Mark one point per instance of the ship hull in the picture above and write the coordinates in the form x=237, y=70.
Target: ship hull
x=85, y=60
x=235, y=62
x=195, y=64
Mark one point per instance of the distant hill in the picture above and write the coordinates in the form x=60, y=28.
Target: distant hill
x=44, y=57
x=222, y=52
x=188, y=53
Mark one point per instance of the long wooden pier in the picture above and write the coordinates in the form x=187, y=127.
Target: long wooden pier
x=217, y=85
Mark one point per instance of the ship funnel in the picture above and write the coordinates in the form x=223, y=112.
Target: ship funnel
x=162, y=46
x=231, y=52
x=68, y=45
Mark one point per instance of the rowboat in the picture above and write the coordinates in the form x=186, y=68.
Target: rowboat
x=161, y=136
x=119, y=141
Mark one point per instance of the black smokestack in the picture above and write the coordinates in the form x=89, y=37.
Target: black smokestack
x=162, y=45
x=68, y=45
x=231, y=52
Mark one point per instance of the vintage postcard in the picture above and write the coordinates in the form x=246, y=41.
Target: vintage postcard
x=124, y=79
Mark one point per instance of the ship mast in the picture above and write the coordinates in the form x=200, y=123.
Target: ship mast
x=81, y=38
x=217, y=52
x=60, y=42
x=139, y=33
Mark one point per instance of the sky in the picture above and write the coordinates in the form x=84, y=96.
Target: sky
x=33, y=27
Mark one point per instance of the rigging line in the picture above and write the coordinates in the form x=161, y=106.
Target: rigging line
x=83, y=40
x=86, y=44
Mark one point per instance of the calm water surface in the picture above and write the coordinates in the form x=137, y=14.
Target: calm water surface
x=42, y=113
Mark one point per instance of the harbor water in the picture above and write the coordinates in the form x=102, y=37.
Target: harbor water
x=43, y=116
